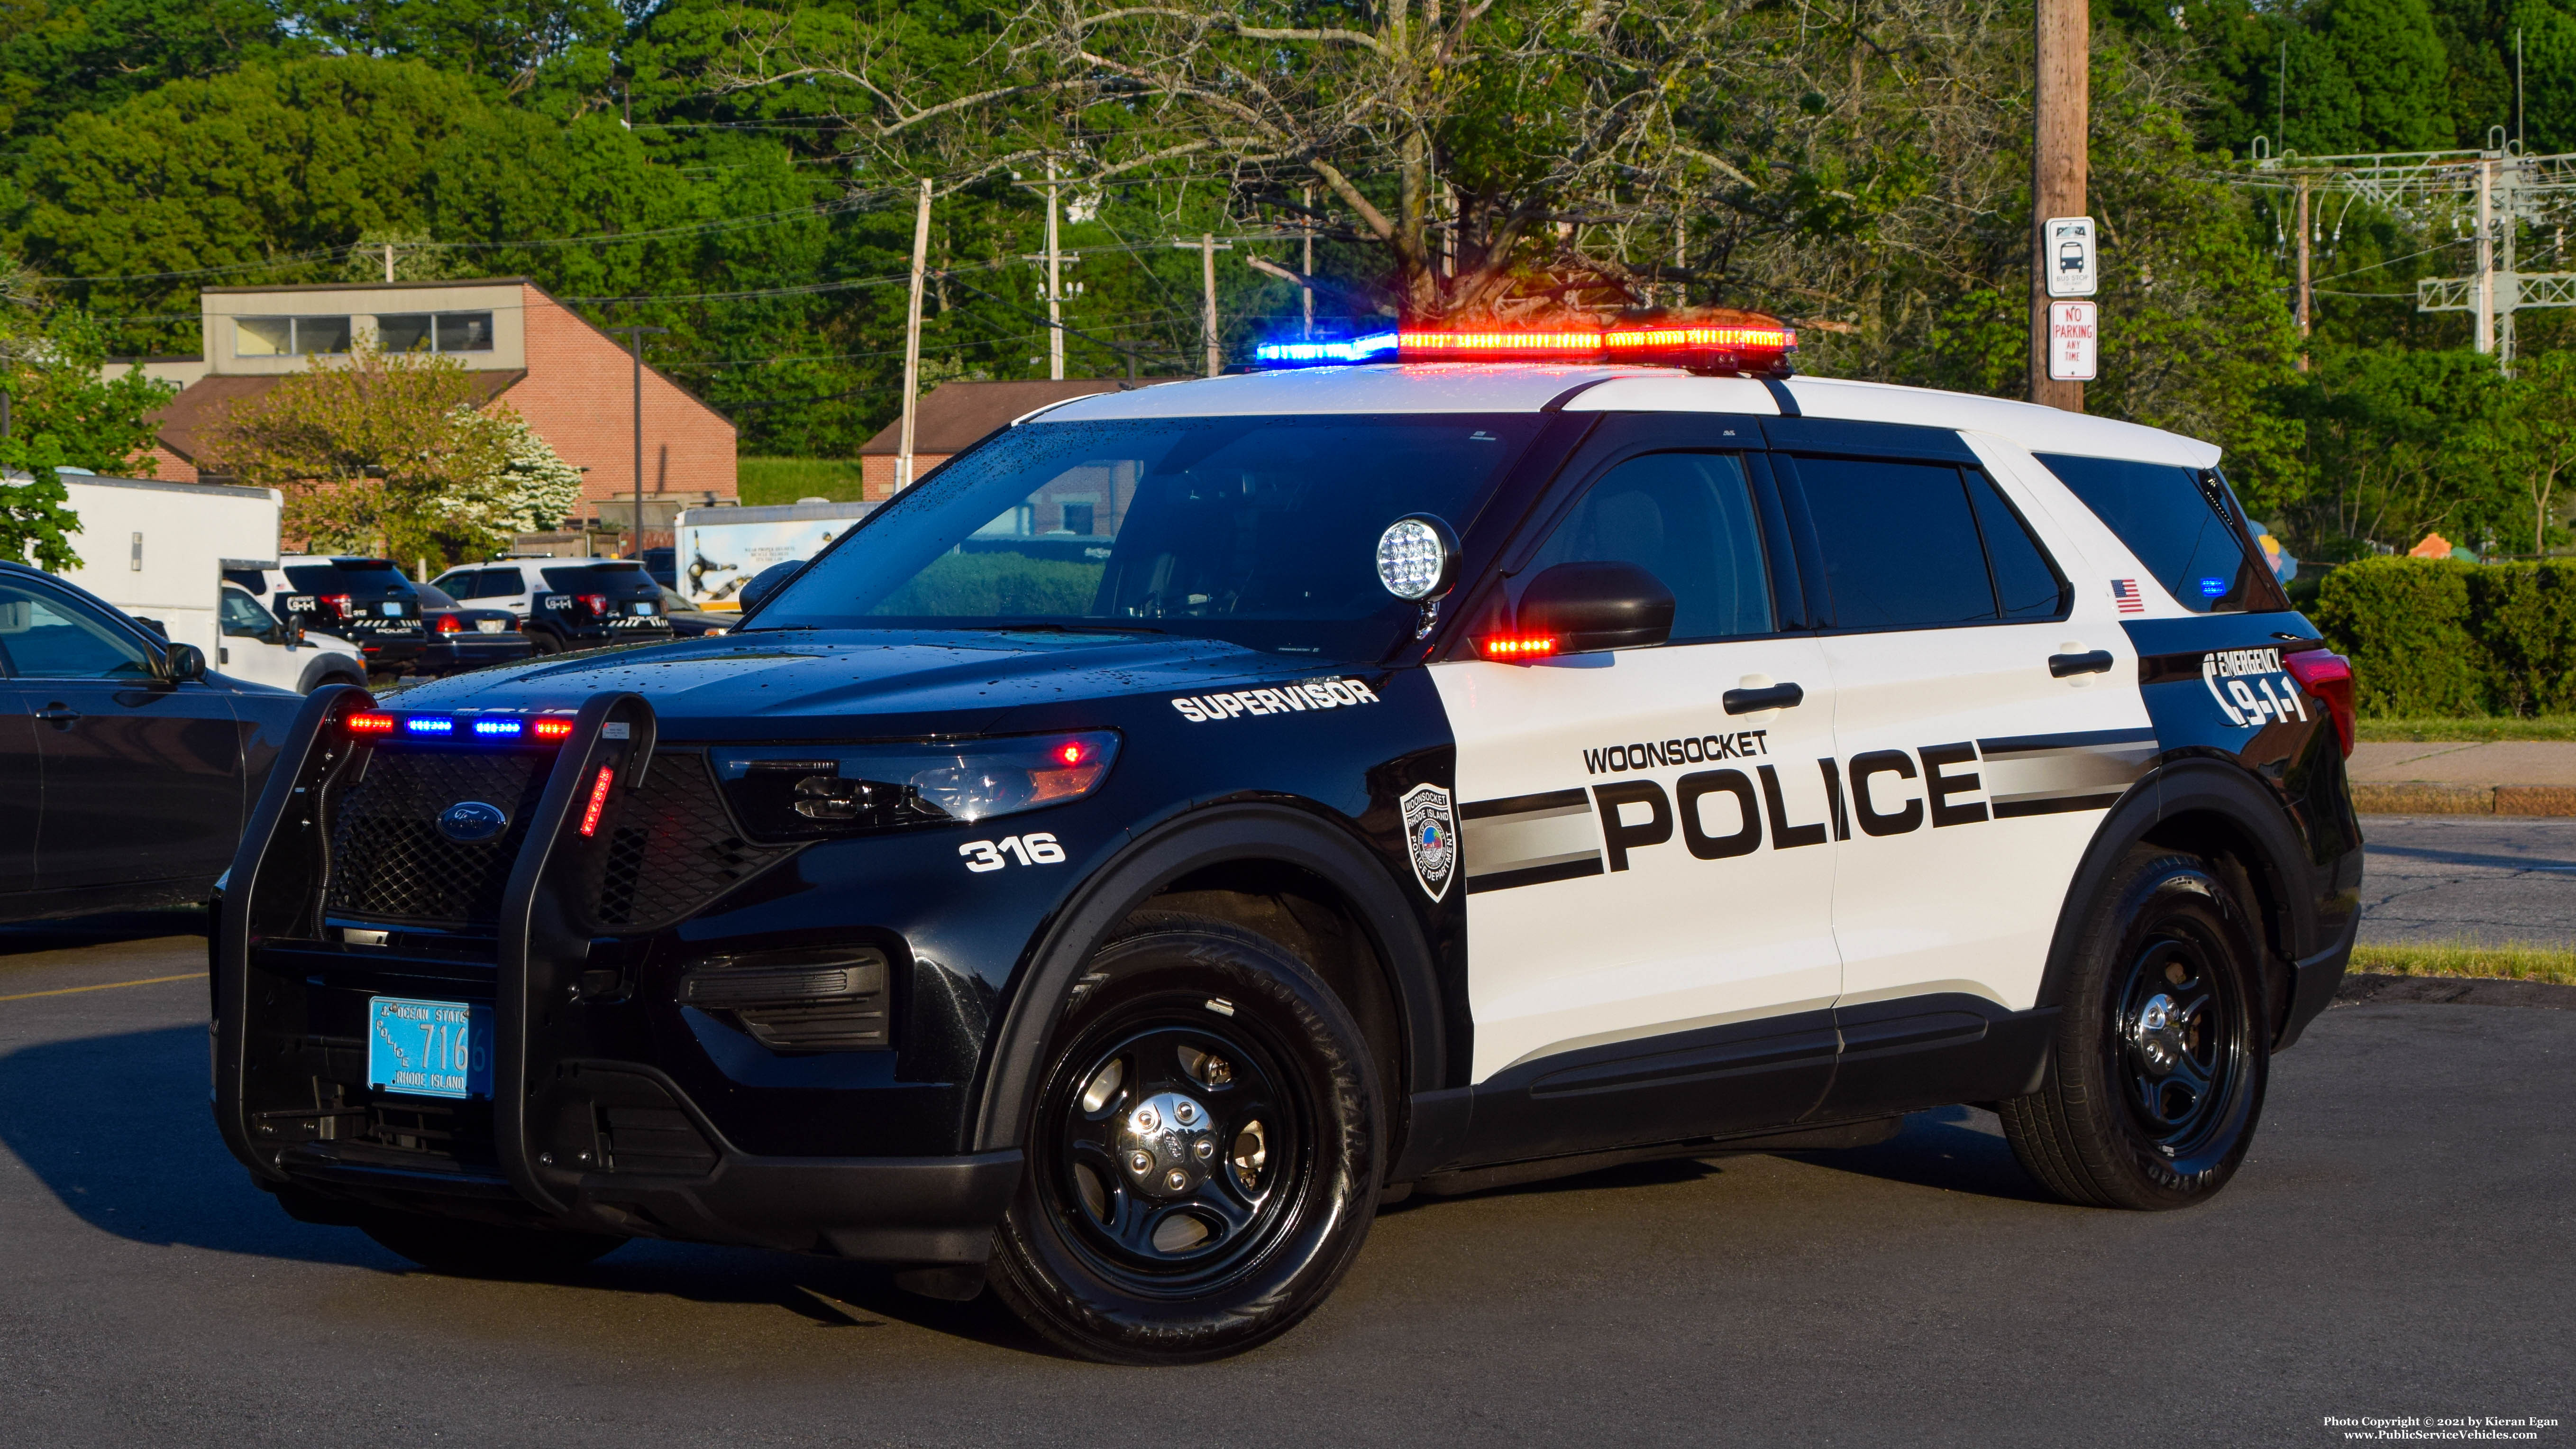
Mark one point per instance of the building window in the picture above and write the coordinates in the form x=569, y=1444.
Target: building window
x=435, y=332
x=289, y=336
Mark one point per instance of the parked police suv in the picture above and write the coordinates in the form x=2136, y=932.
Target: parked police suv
x=1417, y=779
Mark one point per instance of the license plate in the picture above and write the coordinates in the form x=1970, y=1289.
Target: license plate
x=642, y=609
x=490, y=626
x=393, y=611
x=429, y=1048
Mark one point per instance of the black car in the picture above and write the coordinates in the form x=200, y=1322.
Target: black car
x=367, y=601
x=461, y=637
x=688, y=622
x=1196, y=816
x=125, y=768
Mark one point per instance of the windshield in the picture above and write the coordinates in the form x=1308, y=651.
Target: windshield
x=1261, y=531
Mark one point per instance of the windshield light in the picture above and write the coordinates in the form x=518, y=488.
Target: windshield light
x=805, y=791
x=1721, y=340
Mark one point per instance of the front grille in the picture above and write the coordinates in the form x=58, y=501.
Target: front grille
x=672, y=848
x=388, y=861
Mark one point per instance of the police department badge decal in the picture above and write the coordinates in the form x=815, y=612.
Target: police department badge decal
x=1431, y=838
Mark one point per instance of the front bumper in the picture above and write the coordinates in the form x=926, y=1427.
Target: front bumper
x=608, y=1111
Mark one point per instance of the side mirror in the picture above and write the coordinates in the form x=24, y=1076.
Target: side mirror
x=1589, y=606
x=181, y=663
x=766, y=582
x=291, y=629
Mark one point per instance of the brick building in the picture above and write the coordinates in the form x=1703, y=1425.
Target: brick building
x=572, y=382
x=953, y=415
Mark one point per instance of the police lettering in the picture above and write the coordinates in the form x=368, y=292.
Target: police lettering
x=1724, y=813
x=1281, y=699
x=1692, y=750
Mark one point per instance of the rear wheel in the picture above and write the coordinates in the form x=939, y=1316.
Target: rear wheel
x=545, y=643
x=1204, y=1158
x=486, y=1250
x=2161, y=1053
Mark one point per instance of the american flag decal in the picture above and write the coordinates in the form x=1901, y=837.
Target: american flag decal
x=2125, y=592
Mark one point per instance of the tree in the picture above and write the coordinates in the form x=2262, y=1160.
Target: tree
x=2533, y=441
x=534, y=489
x=375, y=453
x=64, y=412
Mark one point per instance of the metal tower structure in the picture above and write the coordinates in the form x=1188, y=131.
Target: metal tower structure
x=2494, y=194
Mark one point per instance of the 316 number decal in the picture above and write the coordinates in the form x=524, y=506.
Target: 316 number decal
x=1035, y=848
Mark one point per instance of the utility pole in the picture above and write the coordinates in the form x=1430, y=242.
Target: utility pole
x=2307, y=301
x=1055, y=285
x=912, y=339
x=1208, y=247
x=1306, y=196
x=635, y=335
x=2483, y=339
x=2058, y=160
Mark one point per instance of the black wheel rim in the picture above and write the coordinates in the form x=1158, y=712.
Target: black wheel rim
x=1178, y=1142
x=2180, y=1044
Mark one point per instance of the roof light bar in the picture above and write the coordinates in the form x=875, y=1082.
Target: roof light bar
x=489, y=729
x=553, y=728
x=370, y=724
x=508, y=728
x=430, y=724
x=1741, y=343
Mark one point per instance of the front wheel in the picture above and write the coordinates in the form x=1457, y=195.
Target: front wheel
x=1204, y=1158
x=2161, y=1054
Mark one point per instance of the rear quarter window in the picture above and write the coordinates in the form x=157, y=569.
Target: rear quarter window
x=2176, y=528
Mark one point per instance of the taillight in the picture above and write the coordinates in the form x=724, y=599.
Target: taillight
x=597, y=603
x=450, y=624
x=338, y=604
x=2328, y=676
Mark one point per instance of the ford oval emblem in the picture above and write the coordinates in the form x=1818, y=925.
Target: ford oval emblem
x=471, y=822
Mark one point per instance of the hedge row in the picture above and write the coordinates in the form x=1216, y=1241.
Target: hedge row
x=2439, y=637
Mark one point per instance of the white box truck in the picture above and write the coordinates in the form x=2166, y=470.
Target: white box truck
x=159, y=551
x=715, y=551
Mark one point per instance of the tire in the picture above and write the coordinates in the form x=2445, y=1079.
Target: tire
x=2162, y=1053
x=484, y=1250
x=1224, y=1059
x=545, y=643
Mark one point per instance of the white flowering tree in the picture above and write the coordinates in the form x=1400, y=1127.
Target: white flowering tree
x=533, y=490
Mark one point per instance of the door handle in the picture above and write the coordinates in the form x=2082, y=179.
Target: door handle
x=2091, y=661
x=1750, y=701
x=58, y=714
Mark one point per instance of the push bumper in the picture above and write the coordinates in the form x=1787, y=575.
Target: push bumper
x=2313, y=983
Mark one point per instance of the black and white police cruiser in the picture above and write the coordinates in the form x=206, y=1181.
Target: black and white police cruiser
x=1427, y=774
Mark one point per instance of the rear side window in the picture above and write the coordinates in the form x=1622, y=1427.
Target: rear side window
x=499, y=584
x=1919, y=545
x=624, y=580
x=2174, y=526
x=1686, y=518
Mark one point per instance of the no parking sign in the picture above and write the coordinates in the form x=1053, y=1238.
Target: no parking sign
x=2074, y=341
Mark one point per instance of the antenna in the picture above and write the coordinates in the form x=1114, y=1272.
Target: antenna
x=2519, y=143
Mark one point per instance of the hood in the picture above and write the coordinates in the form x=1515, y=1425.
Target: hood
x=806, y=684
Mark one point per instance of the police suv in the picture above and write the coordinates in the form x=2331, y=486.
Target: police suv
x=1439, y=775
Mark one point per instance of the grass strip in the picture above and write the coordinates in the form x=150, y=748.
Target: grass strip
x=784, y=480
x=2468, y=959
x=2477, y=731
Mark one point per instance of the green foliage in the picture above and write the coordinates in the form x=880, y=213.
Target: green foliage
x=65, y=412
x=2404, y=623
x=997, y=585
x=784, y=480
x=2524, y=616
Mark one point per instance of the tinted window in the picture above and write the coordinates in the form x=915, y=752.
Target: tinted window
x=1686, y=518
x=1258, y=530
x=2160, y=512
x=253, y=581
x=501, y=584
x=373, y=579
x=1900, y=544
x=620, y=580
x=433, y=597
x=2026, y=584
x=50, y=638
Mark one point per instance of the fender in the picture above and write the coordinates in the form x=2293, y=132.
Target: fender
x=2180, y=786
x=1204, y=838
x=328, y=668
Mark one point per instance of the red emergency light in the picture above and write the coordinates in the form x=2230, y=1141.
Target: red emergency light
x=1746, y=343
x=1509, y=647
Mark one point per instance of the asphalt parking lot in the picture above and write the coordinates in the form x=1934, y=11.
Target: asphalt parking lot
x=2485, y=878
x=2400, y=1243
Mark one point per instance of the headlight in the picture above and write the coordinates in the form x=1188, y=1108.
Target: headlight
x=800, y=792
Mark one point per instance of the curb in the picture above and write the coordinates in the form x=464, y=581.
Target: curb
x=2362, y=986
x=2431, y=798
